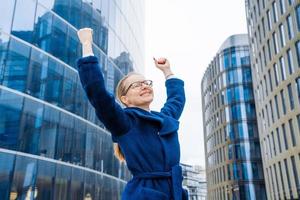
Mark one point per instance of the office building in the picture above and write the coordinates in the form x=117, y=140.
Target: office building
x=52, y=146
x=194, y=181
x=233, y=157
x=274, y=35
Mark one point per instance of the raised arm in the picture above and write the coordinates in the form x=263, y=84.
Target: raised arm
x=175, y=90
x=107, y=110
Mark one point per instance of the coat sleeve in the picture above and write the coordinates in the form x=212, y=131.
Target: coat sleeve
x=107, y=109
x=175, y=98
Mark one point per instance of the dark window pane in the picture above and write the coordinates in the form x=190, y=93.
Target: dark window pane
x=32, y=119
x=43, y=28
x=298, y=16
x=10, y=119
x=16, y=69
x=77, y=184
x=6, y=173
x=62, y=182
x=291, y=97
x=48, y=133
x=45, y=180
x=298, y=51
x=24, y=177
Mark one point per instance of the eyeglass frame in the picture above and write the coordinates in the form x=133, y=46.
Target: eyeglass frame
x=140, y=84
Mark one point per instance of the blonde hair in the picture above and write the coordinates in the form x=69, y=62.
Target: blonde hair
x=119, y=93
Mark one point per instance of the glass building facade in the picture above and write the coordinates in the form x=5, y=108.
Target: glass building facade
x=274, y=35
x=52, y=146
x=233, y=157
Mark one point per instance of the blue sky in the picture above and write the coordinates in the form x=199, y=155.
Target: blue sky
x=188, y=33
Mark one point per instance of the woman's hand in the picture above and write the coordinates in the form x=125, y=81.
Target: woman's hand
x=164, y=65
x=85, y=36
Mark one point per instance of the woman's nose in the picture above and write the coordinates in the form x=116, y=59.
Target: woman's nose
x=143, y=86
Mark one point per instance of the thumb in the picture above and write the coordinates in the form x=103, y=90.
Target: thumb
x=155, y=61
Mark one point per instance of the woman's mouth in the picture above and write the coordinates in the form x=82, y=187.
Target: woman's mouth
x=144, y=93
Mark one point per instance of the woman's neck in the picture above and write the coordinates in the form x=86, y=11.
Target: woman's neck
x=145, y=107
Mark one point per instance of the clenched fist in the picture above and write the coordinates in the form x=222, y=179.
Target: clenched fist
x=85, y=35
x=164, y=65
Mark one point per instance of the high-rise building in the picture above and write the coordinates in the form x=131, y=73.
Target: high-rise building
x=233, y=157
x=52, y=146
x=274, y=35
x=194, y=181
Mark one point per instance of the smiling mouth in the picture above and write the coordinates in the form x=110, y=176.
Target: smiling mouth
x=146, y=92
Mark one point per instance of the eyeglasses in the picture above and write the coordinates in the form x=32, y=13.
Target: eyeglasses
x=138, y=84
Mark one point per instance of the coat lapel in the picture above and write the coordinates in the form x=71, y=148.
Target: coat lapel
x=167, y=124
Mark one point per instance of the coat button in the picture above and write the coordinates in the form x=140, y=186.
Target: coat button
x=157, y=133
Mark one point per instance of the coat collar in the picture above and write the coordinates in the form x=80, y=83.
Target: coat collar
x=167, y=124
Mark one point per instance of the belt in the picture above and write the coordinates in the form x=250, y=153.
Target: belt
x=175, y=174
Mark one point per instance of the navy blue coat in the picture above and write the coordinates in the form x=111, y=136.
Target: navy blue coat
x=148, y=140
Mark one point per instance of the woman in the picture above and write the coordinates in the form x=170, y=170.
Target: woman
x=147, y=140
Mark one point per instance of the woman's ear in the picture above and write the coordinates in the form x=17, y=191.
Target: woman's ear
x=124, y=100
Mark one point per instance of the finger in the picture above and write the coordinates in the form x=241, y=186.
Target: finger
x=155, y=61
x=161, y=61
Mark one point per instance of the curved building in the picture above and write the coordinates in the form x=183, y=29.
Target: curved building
x=233, y=157
x=52, y=146
x=274, y=33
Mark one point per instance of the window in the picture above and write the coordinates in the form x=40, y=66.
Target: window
x=6, y=168
x=6, y=14
x=269, y=50
x=298, y=88
x=298, y=119
x=298, y=16
x=298, y=51
x=276, y=180
x=282, y=66
x=45, y=178
x=271, y=108
x=291, y=2
x=266, y=85
x=282, y=6
x=23, y=25
x=275, y=15
x=62, y=181
x=275, y=42
x=281, y=177
x=282, y=35
x=267, y=114
x=290, y=61
x=270, y=80
x=269, y=20
x=276, y=75
x=259, y=34
x=283, y=102
x=290, y=27
x=296, y=177
x=258, y=7
x=277, y=108
x=278, y=139
x=284, y=136
x=263, y=26
x=254, y=12
x=292, y=132
x=24, y=167
x=287, y=175
x=273, y=143
x=290, y=91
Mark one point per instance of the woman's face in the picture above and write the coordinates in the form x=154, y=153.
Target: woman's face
x=138, y=91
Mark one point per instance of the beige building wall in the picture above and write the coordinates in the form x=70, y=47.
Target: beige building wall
x=274, y=34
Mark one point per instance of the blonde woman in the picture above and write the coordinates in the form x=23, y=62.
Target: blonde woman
x=145, y=139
